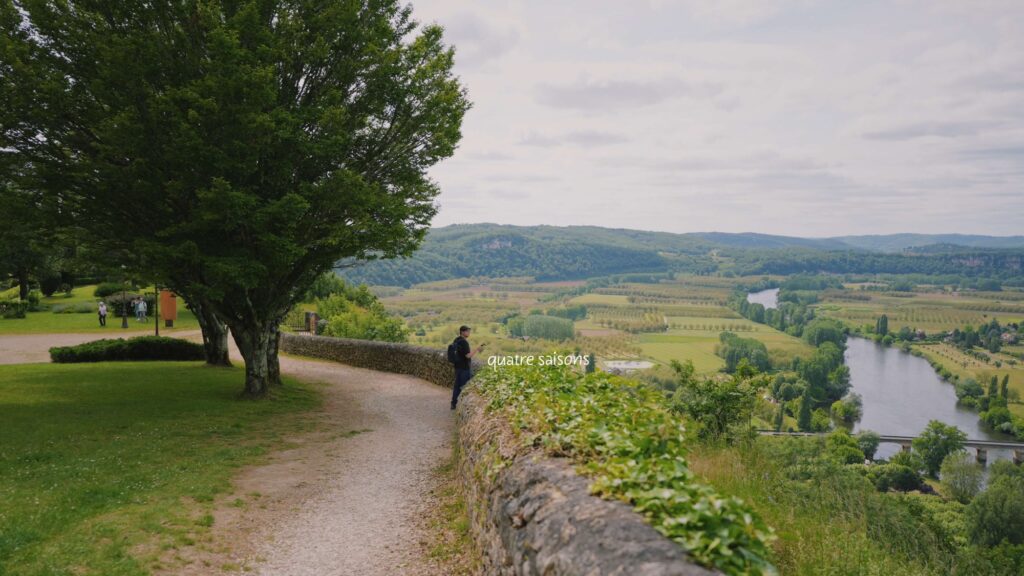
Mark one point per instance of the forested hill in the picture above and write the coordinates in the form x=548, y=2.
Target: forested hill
x=900, y=242
x=561, y=253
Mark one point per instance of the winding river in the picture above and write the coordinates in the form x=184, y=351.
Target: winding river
x=901, y=392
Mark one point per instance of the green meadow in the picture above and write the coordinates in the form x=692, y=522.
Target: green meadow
x=110, y=466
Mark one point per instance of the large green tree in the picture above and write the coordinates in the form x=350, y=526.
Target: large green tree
x=937, y=441
x=239, y=147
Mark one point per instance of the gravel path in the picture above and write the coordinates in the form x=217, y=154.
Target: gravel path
x=350, y=504
x=346, y=499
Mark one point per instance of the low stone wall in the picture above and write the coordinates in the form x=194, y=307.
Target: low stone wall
x=429, y=364
x=532, y=515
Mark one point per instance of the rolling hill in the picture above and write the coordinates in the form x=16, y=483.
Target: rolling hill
x=575, y=252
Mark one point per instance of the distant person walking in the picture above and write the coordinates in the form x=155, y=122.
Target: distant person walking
x=103, y=313
x=143, y=308
x=460, y=355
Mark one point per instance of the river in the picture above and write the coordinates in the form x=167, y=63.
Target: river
x=901, y=392
x=767, y=298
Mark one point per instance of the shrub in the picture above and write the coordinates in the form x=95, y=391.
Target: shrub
x=49, y=285
x=849, y=408
x=33, y=301
x=997, y=514
x=898, y=477
x=621, y=434
x=80, y=308
x=868, y=442
x=961, y=477
x=13, y=308
x=715, y=404
x=108, y=288
x=139, y=348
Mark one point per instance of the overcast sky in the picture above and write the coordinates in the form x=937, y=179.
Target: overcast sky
x=796, y=117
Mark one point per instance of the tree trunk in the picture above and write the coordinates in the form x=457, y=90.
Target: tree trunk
x=23, y=283
x=254, y=344
x=273, y=362
x=215, y=334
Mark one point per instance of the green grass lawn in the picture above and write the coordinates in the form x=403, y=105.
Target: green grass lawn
x=49, y=322
x=104, y=467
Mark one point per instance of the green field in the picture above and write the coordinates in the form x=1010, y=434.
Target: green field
x=931, y=311
x=610, y=299
x=697, y=348
x=104, y=467
x=697, y=338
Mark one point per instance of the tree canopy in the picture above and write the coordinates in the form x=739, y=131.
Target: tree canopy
x=238, y=148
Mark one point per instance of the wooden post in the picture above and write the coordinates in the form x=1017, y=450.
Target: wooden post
x=156, y=310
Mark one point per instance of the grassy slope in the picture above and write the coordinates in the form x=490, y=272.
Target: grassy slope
x=99, y=462
x=822, y=527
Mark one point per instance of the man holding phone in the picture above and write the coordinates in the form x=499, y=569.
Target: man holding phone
x=463, y=358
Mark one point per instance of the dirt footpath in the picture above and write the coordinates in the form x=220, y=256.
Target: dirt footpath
x=348, y=499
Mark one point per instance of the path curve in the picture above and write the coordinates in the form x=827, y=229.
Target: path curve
x=363, y=495
x=345, y=500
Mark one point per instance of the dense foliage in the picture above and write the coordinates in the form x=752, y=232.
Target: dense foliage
x=937, y=441
x=735, y=349
x=540, y=326
x=138, y=348
x=621, y=435
x=355, y=312
x=716, y=405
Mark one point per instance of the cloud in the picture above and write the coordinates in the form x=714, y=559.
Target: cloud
x=610, y=95
x=581, y=138
x=926, y=129
x=477, y=41
x=809, y=115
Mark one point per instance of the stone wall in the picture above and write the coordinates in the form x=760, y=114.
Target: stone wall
x=429, y=364
x=532, y=515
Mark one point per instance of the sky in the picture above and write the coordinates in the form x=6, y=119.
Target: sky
x=796, y=117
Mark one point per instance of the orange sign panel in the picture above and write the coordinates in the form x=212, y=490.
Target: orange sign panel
x=168, y=305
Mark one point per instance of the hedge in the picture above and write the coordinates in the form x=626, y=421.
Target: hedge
x=13, y=308
x=107, y=288
x=139, y=348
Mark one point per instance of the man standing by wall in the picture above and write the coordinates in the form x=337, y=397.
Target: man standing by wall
x=463, y=358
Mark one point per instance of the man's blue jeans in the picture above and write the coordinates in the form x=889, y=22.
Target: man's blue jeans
x=462, y=375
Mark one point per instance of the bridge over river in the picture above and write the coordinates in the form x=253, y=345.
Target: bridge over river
x=981, y=447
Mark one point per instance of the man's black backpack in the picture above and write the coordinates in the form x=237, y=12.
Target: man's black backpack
x=453, y=348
